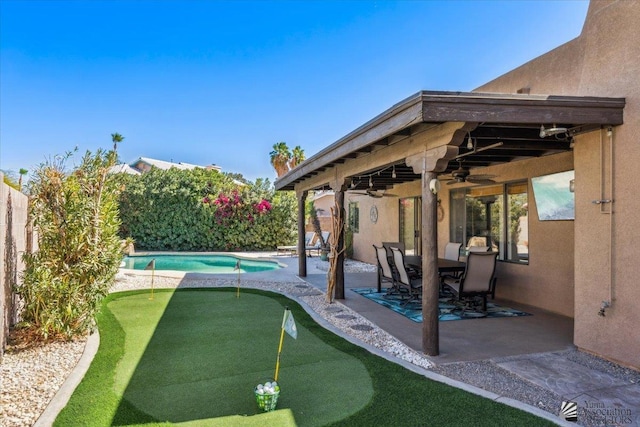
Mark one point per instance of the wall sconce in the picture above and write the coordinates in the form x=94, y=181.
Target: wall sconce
x=572, y=185
x=434, y=186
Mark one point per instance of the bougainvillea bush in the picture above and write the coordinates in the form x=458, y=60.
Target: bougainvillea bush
x=204, y=210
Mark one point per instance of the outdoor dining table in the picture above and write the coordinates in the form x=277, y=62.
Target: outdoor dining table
x=444, y=265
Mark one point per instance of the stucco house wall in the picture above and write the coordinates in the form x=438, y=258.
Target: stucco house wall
x=546, y=282
x=574, y=265
x=603, y=61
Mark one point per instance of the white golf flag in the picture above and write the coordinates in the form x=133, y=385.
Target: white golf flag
x=289, y=325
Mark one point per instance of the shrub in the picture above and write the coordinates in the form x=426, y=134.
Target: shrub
x=204, y=210
x=76, y=218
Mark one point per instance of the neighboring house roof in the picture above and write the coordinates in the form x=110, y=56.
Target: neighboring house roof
x=146, y=163
x=124, y=168
x=321, y=194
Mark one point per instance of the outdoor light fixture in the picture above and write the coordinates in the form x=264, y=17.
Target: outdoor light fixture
x=572, y=185
x=393, y=172
x=370, y=181
x=469, y=142
x=434, y=186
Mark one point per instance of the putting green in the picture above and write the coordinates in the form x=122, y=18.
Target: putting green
x=196, y=355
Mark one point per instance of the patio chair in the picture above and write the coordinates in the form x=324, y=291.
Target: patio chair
x=410, y=283
x=388, y=245
x=316, y=246
x=478, y=279
x=451, y=252
x=291, y=249
x=385, y=272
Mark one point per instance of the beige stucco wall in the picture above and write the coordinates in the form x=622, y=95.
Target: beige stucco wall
x=603, y=61
x=547, y=282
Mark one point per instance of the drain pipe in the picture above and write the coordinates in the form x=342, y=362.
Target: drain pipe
x=606, y=304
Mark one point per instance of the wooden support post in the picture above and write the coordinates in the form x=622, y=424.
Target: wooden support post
x=339, y=241
x=427, y=164
x=430, y=280
x=302, y=252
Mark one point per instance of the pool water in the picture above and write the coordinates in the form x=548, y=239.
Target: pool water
x=220, y=264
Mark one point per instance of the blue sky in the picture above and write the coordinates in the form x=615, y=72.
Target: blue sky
x=221, y=81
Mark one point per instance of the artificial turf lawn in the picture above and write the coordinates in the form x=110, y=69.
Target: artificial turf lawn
x=192, y=357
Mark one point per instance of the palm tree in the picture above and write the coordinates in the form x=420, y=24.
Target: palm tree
x=22, y=172
x=297, y=157
x=116, y=138
x=280, y=157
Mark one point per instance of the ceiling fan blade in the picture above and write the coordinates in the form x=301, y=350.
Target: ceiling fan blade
x=474, y=180
x=481, y=176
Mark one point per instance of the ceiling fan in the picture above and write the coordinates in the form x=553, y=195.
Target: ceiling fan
x=374, y=193
x=462, y=174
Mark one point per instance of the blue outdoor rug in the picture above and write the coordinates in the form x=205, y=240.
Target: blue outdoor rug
x=448, y=310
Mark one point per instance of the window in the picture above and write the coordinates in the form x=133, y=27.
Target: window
x=518, y=223
x=354, y=217
x=495, y=216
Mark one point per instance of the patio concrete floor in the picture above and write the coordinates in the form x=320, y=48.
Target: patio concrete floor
x=464, y=340
x=536, y=348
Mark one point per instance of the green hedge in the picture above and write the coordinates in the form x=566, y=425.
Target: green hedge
x=204, y=210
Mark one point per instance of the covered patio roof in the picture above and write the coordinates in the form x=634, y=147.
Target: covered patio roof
x=502, y=128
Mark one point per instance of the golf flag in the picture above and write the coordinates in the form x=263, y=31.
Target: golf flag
x=237, y=267
x=289, y=325
x=151, y=266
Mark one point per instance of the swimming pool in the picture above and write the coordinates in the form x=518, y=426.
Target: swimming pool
x=204, y=263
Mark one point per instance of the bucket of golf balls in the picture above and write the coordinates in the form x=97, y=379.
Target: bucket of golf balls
x=267, y=395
